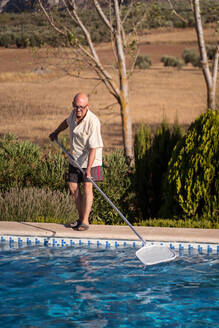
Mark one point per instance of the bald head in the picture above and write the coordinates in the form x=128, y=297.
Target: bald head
x=80, y=105
x=81, y=97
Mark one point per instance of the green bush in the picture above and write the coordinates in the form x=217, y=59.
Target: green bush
x=209, y=11
x=143, y=62
x=52, y=172
x=6, y=39
x=142, y=147
x=151, y=161
x=22, y=164
x=22, y=41
x=117, y=186
x=180, y=223
x=35, y=40
x=172, y=61
x=18, y=162
x=211, y=51
x=37, y=205
x=189, y=55
x=192, y=180
x=162, y=147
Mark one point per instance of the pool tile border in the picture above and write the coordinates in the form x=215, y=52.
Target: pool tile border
x=22, y=241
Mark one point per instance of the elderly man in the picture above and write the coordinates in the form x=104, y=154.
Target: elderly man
x=86, y=147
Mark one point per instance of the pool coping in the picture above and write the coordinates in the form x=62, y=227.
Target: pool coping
x=115, y=232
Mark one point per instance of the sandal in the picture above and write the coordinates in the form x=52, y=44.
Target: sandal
x=81, y=227
x=73, y=225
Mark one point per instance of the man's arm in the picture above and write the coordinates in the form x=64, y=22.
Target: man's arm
x=91, y=158
x=60, y=128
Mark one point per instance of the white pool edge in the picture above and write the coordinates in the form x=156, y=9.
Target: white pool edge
x=14, y=241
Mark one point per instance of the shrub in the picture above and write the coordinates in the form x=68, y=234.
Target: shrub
x=33, y=204
x=22, y=164
x=35, y=40
x=117, y=186
x=142, y=146
x=162, y=147
x=172, y=61
x=191, y=56
x=180, y=223
x=143, y=62
x=52, y=172
x=18, y=162
x=209, y=10
x=211, y=51
x=192, y=179
x=6, y=39
x=151, y=161
x=188, y=55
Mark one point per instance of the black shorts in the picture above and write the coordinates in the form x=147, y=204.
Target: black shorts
x=75, y=175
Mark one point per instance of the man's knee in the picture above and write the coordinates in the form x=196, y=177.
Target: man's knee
x=74, y=188
x=88, y=188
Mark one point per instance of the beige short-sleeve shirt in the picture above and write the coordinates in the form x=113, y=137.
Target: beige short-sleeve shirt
x=84, y=136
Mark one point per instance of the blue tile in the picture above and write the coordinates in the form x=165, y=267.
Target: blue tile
x=209, y=249
x=181, y=248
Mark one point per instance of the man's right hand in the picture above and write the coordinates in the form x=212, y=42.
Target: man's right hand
x=53, y=136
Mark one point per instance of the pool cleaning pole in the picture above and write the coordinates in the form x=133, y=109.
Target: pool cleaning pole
x=100, y=191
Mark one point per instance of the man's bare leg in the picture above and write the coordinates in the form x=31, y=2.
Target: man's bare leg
x=78, y=199
x=87, y=201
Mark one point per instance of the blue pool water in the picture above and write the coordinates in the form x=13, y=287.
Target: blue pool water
x=42, y=287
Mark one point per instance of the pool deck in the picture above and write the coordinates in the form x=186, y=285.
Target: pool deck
x=109, y=232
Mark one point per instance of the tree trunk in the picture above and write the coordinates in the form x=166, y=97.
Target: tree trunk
x=124, y=95
x=126, y=126
x=211, y=88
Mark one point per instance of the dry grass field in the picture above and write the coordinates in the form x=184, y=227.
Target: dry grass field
x=34, y=101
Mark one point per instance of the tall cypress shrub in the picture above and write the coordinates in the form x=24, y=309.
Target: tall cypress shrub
x=163, y=144
x=142, y=146
x=151, y=162
x=193, y=179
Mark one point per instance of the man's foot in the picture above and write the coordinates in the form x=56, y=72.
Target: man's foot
x=81, y=227
x=73, y=225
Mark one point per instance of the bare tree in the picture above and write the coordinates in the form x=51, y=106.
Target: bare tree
x=115, y=25
x=210, y=76
x=210, y=73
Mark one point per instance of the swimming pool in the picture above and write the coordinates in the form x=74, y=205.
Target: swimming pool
x=86, y=286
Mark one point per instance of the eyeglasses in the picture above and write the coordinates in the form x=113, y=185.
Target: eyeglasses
x=79, y=107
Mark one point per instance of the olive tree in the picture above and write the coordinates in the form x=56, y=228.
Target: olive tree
x=114, y=21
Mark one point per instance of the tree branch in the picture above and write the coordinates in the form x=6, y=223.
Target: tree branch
x=93, y=56
x=175, y=13
x=103, y=16
x=50, y=19
x=118, y=40
x=215, y=68
x=201, y=43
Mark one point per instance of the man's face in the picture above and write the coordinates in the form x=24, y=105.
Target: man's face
x=80, y=106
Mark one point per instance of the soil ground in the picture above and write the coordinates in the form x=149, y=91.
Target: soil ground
x=35, y=95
